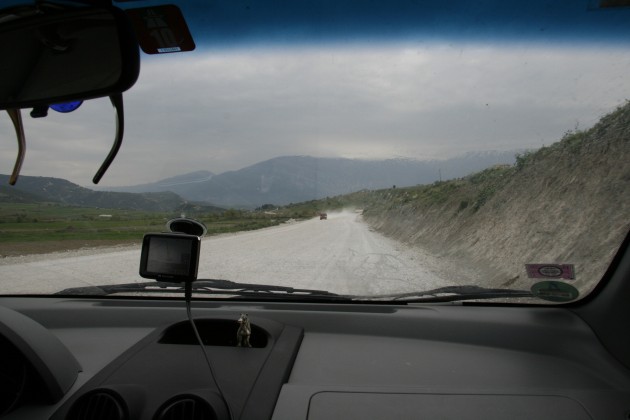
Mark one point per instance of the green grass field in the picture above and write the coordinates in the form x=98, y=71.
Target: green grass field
x=46, y=227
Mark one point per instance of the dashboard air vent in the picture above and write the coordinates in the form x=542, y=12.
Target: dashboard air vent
x=98, y=405
x=13, y=376
x=186, y=407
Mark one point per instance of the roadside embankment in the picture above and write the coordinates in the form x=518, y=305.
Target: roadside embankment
x=566, y=203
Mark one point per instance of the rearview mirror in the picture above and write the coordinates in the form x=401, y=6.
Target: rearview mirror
x=54, y=55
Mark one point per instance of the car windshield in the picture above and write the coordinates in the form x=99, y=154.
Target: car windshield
x=389, y=151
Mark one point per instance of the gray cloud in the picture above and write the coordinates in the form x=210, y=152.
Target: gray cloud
x=219, y=110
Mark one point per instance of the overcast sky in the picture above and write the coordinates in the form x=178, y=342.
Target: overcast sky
x=220, y=110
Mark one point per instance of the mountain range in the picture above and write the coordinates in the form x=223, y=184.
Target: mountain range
x=293, y=179
x=278, y=181
x=34, y=189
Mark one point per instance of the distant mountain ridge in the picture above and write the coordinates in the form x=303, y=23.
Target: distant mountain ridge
x=292, y=179
x=168, y=183
x=31, y=189
x=278, y=181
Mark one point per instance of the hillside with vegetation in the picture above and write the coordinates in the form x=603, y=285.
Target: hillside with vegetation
x=566, y=203
x=37, y=189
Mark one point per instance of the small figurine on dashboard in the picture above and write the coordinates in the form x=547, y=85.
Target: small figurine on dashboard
x=244, y=331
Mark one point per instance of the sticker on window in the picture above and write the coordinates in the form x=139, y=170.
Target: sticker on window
x=555, y=291
x=161, y=29
x=550, y=271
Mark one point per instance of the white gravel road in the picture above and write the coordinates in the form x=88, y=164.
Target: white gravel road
x=340, y=254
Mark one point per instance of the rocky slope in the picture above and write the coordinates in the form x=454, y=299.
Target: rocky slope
x=567, y=203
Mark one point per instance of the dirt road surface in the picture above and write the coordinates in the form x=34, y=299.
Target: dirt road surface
x=341, y=255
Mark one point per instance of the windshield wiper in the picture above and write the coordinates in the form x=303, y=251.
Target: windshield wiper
x=450, y=294
x=206, y=286
x=235, y=289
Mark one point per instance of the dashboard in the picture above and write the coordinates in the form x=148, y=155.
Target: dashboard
x=137, y=359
